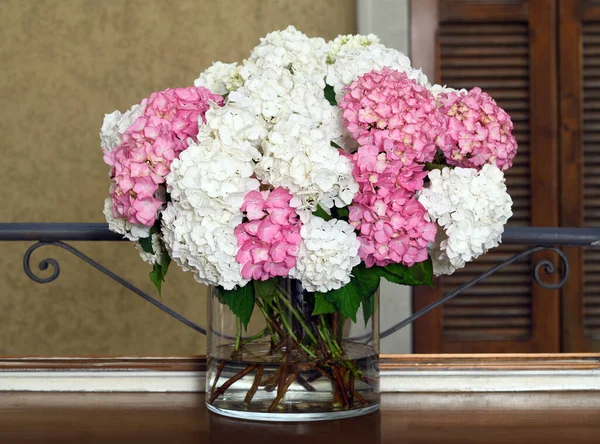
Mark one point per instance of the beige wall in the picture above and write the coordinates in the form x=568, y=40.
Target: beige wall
x=63, y=64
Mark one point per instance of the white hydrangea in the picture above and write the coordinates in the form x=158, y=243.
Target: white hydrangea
x=292, y=51
x=352, y=61
x=299, y=157
x=115, y=124
x=348, y=41
x=207, y=185
x=471, y=207
x=204, y=245
x=436, y=90
x=236, y=127
x=150, y=258
x=327, y=253
x=133, y=232
x=286, y=66
x=220, y=78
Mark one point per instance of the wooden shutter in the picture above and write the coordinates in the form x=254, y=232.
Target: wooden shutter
x=508, y=49
x=579, y=42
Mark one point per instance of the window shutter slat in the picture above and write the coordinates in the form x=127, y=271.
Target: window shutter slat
x=591, y=173
x=508, y=291
x=504, y=47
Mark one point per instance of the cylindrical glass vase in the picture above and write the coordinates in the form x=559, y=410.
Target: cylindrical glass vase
x=289, y=364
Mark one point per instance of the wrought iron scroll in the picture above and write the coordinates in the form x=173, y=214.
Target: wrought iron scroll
x=53, y=234
x=547, y=265
x=53, y=263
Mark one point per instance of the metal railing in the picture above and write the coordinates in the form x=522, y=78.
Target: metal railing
x=55, y=234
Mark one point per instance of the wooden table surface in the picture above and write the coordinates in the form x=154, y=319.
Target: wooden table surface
x=404, y=418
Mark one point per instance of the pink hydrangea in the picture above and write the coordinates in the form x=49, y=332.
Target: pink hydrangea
x=387, y=109
x=393, y=229
x=392, y=224
x=269, y=240
x=478, y=132
x=143, y=159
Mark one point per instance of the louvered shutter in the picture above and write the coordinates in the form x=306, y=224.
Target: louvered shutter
x=505, y=48
x=579, y=41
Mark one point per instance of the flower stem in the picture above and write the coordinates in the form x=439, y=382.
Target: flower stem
x=269, y=322
x=257, y=379
x=283, y=391
x=258, y=335
x=238, y=333
x=290, y=332
x=297, y=315
x=230, y=382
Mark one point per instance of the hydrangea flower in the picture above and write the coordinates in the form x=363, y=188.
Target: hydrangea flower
x=393, y=229
x=143, y=158
x=351, y=61
x=328, y=253
x=269, y=240
x=436, y=90
x=207, y=185
x=133, y=232
x=220, y=78
x=237, y=128
x=346, y=42
x=115, y=124
x=471, y=207
x=152, y=258
x=388, y=109
x=479, y=131
x=299, y=157
x=293, y=51
x=286, y=64
x=206, y=246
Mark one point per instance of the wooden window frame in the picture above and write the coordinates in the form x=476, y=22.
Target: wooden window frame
x=545, y=204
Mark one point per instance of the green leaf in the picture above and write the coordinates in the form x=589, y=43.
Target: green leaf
x=330, y=95
x=419, y=274
x=346, y=299
x=240, y=301
x=166, y=261
x=367, y=279
x=423, y=272
x=265, y=289
x=146, y=244
x=368, y=282
x=157, y=277
x=368, y=307
x=322, y=305
x=342, y=212
x=320, y=212
x=429, y=166
x=335, y=145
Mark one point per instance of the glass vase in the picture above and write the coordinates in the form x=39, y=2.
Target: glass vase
x=291, y=365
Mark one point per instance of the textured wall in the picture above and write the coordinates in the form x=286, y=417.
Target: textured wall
x=63, y=64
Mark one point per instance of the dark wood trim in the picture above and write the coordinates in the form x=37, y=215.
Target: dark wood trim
x=514, y=361
x=545, y=201
x=428, y=330
x=424, y=20
x=590, y=12
x=571, y=157
x=167, y=364
x=503, y=11
x=507, y=361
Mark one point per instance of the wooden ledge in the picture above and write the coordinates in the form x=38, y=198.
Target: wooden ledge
x=526, y=362
x=399, y=373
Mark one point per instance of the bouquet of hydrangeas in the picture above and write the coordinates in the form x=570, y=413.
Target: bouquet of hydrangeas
x=331, y=163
